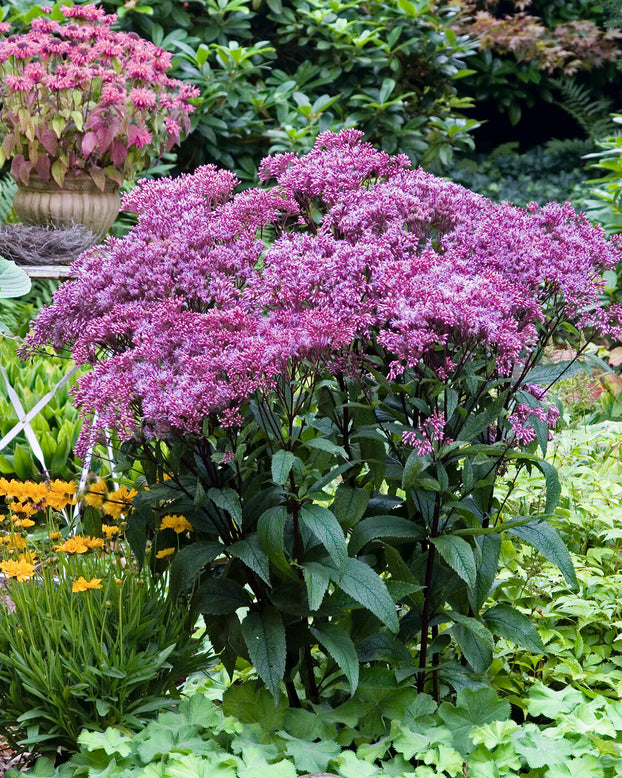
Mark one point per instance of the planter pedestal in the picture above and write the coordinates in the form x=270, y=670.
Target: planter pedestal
x=78, y=201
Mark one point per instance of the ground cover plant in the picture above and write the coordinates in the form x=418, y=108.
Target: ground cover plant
x=324, y=379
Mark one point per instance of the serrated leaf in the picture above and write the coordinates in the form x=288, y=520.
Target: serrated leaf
x=341, y=648
x=270, y=528
x=490, y=549
x=361, y=583
x=459, y=556
x=322, y=444
x=311, y=757
x=475, y=641
x=546, y=375
x=553, y=487
x=317, y=578
x=188, y=563
x=264, y=635
x=249, y=551
x=415, y=464
x=220, y=596
x=227, y=500
x=382, y=527
x=324, y=525
x=282, y=463
x=510, y=624
x=549, y=543
x=349, y=505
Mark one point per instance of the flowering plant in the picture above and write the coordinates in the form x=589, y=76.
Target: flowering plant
x=79, y=606
x=333, y=373
x=78, y=97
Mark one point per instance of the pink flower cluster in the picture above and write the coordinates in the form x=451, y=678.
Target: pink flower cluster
x=213, y=296
x=80, y=97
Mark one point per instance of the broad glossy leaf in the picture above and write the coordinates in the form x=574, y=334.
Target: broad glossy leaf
x=475, y=641
x=264, y=635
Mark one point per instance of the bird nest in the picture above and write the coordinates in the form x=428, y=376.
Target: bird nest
x=28, y=244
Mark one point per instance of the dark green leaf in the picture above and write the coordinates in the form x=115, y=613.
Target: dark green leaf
x=553, y=487
x=264, y=636
x=317, y=578
x=340, y=646
x=349, y=505
x=475, y=641
x=282, y=463
x=188, y=562
x=512, y=625
x=219, y=596
x=548, y=542
x=459, y=556
x=270, y=529
x=546, y=375
x=415, y=464
x=253, y=556
x=382, y=527
x=361, y=583
x=227, y=500
x=490, y=548
x=324, y=525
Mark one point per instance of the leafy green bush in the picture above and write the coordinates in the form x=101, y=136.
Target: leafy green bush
x=524, y=47
x=274, y=73
x=547, y=173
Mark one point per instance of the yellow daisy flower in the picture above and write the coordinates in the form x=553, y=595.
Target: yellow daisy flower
x=75, y=545
x=177, y=523
x=119, y=502
x=95, y=495
x=165, y=552
x=21, y=570
x=81, y=584
x=110, y=530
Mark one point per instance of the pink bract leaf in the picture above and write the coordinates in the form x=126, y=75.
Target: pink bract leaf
x=89, y=143
x=48, y=139
x=118, y=153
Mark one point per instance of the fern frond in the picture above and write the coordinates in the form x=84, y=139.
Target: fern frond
x=592, y=114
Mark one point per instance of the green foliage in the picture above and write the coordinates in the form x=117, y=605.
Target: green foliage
x=542, y=174
x=95, y=658
x=602, y=197
x=274, y=74
x=56, y=427
x=385, y=731
x=296, y=548
x=580, y=630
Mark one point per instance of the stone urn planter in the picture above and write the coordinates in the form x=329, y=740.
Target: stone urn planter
x=78, y=201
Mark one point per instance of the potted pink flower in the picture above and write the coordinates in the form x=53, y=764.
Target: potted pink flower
x=83, y=107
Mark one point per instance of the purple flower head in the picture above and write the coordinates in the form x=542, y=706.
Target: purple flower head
x=215, y=296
